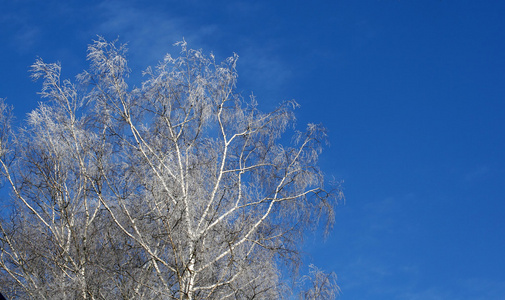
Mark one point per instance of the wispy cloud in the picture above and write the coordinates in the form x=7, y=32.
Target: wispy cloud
x=380, y=281
x=22, y=33
x=426, y=293
x=377, y=279
x=477, y=173
x=463, y=289
x=150, y=33
x=60, y=31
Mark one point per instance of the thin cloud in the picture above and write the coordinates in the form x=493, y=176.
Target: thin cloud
x=425, y=294
x=23, y=34
x=151, y=32
x=479, y=173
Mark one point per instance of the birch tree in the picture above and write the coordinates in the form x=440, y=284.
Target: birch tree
x=178, y=188
x=319, y=285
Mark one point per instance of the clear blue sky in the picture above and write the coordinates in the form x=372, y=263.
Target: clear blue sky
x=412, y=92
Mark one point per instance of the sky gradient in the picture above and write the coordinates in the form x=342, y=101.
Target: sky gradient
x=412, y=93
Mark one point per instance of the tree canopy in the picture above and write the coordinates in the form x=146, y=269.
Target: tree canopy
x=178, y=188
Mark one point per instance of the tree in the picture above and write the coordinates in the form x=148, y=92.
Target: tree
x=176, y=189
x=320, y=285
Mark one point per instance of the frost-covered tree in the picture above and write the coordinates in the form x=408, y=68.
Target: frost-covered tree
x=319, y=285
x=175, y=189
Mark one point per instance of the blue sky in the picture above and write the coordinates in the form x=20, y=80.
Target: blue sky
x=411, y=91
